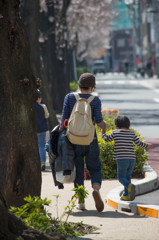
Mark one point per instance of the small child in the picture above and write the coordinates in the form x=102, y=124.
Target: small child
x=124, y=154
x=42, y=126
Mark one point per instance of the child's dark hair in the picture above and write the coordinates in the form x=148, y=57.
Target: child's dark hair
x=122, y=122
x=37, y=94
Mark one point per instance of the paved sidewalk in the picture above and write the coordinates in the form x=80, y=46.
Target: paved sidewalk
x=112, y=223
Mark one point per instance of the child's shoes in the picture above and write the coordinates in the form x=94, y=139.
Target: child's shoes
x=125, y=198
x=131, y=191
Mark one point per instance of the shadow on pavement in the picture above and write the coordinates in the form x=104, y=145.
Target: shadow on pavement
x=106, y=214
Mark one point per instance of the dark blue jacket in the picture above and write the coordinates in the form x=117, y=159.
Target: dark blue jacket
x=61, y=150
x=65, y=151
x=41, y=121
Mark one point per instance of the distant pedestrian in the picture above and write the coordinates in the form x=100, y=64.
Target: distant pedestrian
x=138, y=63
x=126, y=66
x=124, y=154
x=149, y=68
x=153, y=61
x=141, y=69
x=42, y=127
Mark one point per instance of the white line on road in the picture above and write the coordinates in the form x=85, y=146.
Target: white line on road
x=133, y=82
x=104, y=82
x=156, y=100
x=120, y=82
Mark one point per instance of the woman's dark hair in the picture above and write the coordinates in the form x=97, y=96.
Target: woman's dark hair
x=85, y=88
x=86, y=81
x=122, y=122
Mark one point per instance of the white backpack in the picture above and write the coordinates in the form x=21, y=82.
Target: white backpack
x=80, y=129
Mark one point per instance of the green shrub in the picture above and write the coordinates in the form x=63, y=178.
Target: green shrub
x=109, y=167
x=81, y=70
x=106, y=155
x=73, y=86
x=35, y=215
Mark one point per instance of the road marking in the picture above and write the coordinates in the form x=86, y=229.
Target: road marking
x=108, y=82
x=104, y=82
x=156, y=100
x=133, y=82
x=120, y=82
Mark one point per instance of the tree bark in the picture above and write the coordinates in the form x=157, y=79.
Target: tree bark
x=20, y=172
x=30, y=12
x=55, y=66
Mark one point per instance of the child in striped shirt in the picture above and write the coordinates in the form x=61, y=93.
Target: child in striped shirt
x=124, y=154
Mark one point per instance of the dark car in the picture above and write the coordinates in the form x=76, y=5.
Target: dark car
x=98, y=67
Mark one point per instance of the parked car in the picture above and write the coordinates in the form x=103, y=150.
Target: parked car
x=98, y=66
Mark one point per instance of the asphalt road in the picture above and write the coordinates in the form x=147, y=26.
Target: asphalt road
x=133, y=98
x=151, y=198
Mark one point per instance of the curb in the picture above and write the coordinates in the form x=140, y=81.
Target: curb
x=145, y=185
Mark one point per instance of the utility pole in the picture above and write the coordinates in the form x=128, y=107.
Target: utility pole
x=132, y=7
x=156, y=19
x=140, y=45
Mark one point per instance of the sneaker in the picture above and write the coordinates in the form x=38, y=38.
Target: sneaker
x=131, y=191
x=81, y=206
x=98, y=200
x=125, y=198
x=42, y=167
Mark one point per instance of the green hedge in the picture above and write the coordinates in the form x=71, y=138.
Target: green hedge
x=80, y=70
x=109, y=168
x=73, y=86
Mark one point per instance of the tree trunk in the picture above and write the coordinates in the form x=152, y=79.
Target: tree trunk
x=30, y=12
x=54, y=65
x=20, y=172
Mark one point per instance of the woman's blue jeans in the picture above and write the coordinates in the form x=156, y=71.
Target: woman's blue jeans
x=90, y=155
x=41, y=144
x=124, y=171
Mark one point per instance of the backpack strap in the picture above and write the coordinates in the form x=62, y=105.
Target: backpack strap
x=76, y=96
x=89, y=100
